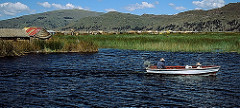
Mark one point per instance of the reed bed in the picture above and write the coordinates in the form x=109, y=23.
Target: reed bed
x=204, y=42
x=12, y=48
x=201, y=42
x=16, y=48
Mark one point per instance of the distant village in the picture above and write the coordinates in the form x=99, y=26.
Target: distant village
x=100, y=32
x=29, y=33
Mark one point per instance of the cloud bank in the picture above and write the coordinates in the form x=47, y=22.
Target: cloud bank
x=45, y=4
x=209, y=4
x=11, y=9
x=139, y=6
x=59, y=6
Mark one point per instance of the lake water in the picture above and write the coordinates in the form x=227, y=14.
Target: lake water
x=116, y=78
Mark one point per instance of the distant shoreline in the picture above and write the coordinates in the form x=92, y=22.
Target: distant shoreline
x=169, y=42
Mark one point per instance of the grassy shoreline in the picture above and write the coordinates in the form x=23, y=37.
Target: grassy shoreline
x=201, y=42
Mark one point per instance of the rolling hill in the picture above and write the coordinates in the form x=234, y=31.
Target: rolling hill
x=226, y=18
x=48, y=20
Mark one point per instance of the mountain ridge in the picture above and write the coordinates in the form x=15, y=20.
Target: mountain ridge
x=49, y=20
x=226, y=18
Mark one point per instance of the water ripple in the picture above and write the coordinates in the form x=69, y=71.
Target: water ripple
x=116, y=78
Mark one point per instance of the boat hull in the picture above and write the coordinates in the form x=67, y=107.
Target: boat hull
x=192, y=71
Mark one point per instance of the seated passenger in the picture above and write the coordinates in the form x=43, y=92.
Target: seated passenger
x=161, y=64
x=198, y=65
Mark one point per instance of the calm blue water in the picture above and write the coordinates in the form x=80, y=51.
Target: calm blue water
x=116, y=78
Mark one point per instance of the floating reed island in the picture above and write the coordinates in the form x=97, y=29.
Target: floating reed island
x=53, y=45
x=16, y=42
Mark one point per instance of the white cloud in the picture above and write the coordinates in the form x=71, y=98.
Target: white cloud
x=71, y=6
x=12, y=9
x=67, y=6
x=176, y=7
x=180, y=8
x=197, y=8
x=209, y=4
x=59, y=6
x=171, y=4
x=45, y=4
x=139, y=6
x=110, y=10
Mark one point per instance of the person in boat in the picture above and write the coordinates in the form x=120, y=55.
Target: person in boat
x=161, y=64
x=198, y=65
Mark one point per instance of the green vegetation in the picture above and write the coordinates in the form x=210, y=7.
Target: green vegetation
x=205, y=42
x=200, y=42
x=15, y=48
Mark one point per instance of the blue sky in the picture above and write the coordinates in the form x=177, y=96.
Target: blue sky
x=16, y=8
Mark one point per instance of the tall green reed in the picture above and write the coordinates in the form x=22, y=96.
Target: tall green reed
x=206, y=42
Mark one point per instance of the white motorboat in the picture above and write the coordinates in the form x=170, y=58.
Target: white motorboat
x=184, y=70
